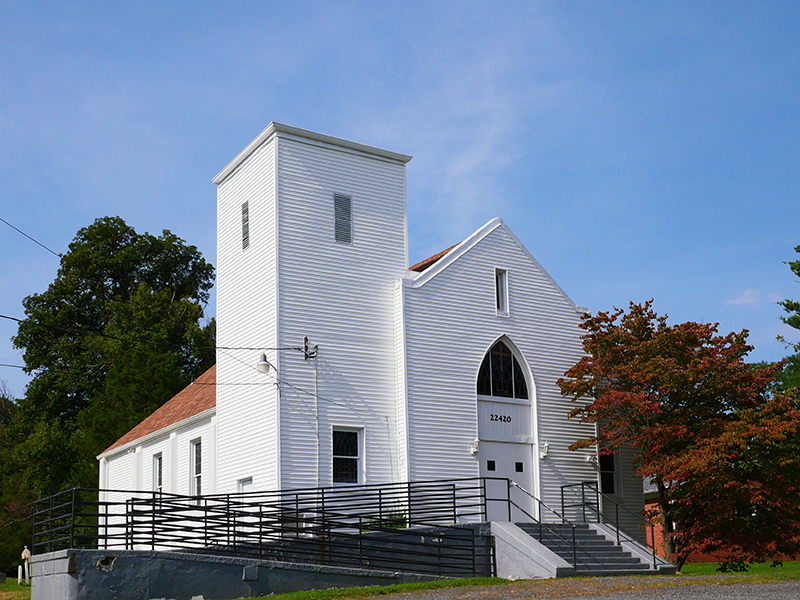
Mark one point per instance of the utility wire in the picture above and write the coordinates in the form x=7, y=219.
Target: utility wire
x=221, y=348
x=283, y=382
x=150, y=342
x=31, y=239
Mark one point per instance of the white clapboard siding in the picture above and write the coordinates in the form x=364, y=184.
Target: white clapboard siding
x=130, y=467
x=631, y=497
x=451, y=322
x=204, y=431
x=150, y=448
x=341, y=297
x=120, y=472
x=403, y=470
x=247, y=432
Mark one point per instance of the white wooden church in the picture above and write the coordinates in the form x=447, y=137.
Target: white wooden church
x=338, y=364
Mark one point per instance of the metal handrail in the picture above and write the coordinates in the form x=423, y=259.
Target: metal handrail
x=564, y=521
x=601, y=517
x=365, y=524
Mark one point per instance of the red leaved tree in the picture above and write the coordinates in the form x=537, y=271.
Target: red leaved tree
x=721, y=450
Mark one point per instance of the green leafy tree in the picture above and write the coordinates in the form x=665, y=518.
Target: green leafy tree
x=719, y=447
x=790, y=374
x=14, y=510
x=112, y=338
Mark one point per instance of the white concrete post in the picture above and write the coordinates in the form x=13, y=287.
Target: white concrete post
x=26, y=561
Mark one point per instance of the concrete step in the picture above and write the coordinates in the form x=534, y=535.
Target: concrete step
x=593, y=553
x=602, y=560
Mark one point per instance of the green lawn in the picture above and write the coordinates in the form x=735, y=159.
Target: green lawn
x=11, y=591
x=789, y=570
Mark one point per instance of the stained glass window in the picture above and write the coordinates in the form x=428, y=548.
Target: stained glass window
x=501, y=375
x=485, y=378
x=520, y=387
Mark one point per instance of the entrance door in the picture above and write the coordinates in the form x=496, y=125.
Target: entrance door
x=504, y=430
x=507, y=460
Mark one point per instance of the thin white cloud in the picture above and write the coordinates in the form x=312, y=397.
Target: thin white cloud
x=753, y=297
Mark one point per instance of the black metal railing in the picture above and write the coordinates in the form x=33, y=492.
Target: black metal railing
x=586, y=497
x=539, y=522
x=427, y=527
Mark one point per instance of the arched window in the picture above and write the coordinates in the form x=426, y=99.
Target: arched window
x=501, y=375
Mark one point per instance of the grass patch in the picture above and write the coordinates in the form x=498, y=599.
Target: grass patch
x=11, y=591
x=381, y=590
x=758, y=571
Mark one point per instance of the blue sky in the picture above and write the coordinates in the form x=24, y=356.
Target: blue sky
x=639, y=149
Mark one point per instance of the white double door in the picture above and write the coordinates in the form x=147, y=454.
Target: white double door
x=507, y=461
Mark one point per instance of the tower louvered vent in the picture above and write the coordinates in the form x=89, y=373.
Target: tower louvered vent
x=343, y=218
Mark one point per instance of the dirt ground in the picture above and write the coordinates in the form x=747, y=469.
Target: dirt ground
x=619, y=588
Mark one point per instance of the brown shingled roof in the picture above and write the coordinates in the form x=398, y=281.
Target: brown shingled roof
x=198, y=396
x=428, y=262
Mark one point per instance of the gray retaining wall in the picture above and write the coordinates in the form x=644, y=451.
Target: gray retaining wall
x=148, y=575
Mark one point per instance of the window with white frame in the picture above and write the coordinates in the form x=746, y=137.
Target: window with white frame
x=196, y=467
x=244, y=485
x=346, y=456
x=158, y=473
x=609, y=474
x=343, y=218
x=501, y=291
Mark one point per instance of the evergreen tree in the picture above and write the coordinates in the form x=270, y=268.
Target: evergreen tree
x=790, y=374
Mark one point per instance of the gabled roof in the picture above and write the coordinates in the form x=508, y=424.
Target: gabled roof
x=197, y=397
x=441, y=261
x=424, y=264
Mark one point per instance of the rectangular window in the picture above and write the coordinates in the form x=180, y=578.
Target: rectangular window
x=501, y=291
x=158, y=473
x=343, y=219
x=196, y=468
x=346, y=459
x=245, y=225
x=244, y=485
x=608, y=474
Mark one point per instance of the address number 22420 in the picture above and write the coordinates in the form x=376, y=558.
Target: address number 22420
x=501, y=418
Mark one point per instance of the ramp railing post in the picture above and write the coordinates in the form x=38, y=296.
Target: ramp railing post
x=508, y=495
x=72, y=522
x=574, y=549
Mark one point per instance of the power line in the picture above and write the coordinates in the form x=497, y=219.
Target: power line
x=222, y=348
x=31, y=239
x=291, y=385
x=150, y=342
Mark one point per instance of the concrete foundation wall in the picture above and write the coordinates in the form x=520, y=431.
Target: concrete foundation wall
x=145, y=575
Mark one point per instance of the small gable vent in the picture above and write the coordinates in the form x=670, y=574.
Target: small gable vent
x=245, y=226
x=343, y=218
